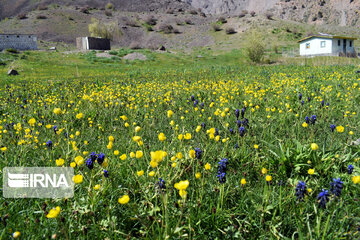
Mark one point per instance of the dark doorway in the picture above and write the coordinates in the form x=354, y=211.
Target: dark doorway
x=344, y=46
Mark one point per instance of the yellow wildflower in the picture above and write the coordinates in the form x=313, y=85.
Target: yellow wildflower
x=32, y=122
x=140, y=173
x=57, y=111
x=124, y=199
x=162, y=137
x=187, y=136
x=356, y=179
x=139, y=154
x=53, y=213
x=79, y=160
x=78, y=178
x=314, y=146
x=59, y=162
x=340, y=129
x=79, y=116
x=243, y=181
x=207, y=166
x=170, y=113
x=311, y=171
x=16, y=234
x=192, y=153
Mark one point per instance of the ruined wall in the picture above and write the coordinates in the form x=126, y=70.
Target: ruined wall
x=92, y=43
x=19, y=42
x=98, y=43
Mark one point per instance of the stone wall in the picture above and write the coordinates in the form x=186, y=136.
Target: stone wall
x=19, y=42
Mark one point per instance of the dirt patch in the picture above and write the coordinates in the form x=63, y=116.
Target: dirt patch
x=104, y=55
x=135, y=56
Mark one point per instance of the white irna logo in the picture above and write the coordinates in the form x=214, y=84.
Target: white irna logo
x=38, y=182
x=35, y=180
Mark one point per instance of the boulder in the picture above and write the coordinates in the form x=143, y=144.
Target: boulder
x=12, y=72
x=52, y=48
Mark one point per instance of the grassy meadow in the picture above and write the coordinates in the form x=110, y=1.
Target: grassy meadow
x=183, y=146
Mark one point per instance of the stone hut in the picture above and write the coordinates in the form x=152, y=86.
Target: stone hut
x=18, y=41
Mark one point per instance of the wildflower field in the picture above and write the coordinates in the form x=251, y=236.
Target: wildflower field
x=237, y=152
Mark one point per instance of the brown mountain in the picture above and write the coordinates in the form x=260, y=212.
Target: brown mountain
x=341, y=12
x=285, y=21
x=10, y=8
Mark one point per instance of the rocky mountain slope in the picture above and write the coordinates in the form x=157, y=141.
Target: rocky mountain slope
x=232, y=6
x=10, y=8
x=341, y=12
x=187, y=27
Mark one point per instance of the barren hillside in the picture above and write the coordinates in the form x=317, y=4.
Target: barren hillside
x=181, y=24
x=340, y=12
x=9, y=8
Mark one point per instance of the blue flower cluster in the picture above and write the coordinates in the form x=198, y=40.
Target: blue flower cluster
x=323, y=198
x=237, y=113
x=222, y=170
x=161, y=183
x=198, y=153
x=106, y=173
x=100, y=158
x=49, y=144
x=336, y=187
x=300, y=191
x=242, y=131
x=332, y=127
x=313, y=119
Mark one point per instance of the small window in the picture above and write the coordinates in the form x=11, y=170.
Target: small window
x=29, y=36
x=339, y=43
x=17, y=36
x=307, y=45
x=322, y=44
x=350, y=43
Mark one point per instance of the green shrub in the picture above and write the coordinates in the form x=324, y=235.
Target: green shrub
x=216, y=27
x=123, y=52
x=221, y=20
x=12, y=50
x=255, y=48
x=109, y=6
x=99, y=29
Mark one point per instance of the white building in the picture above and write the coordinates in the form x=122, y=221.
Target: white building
x=327, y=45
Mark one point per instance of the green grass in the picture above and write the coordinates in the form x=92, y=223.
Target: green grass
x=106, y=90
